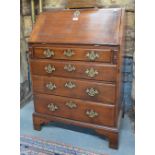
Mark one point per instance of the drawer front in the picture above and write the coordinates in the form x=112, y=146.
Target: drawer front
x=93, y=91
x=75, y=109
x=87, y=70
x=104, y=55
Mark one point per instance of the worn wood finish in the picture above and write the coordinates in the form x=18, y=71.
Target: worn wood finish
x=75, y=109
x=73, y=95
x=110, y=132
x=105, y=55
x=75, y=46
x=74, y=69
x=106, y=92
x=94, y=26
x=112, y=136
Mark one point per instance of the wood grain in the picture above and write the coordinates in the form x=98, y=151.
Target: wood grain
x=105, y=112
x=112, y=133
x=94, y=26
x=105, y=72
x=99, y=96
x=106, y=91
x=105, y=55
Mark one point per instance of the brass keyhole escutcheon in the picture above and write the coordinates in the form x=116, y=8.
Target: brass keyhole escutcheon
x=91, y=113
x=48, y=53
x=69, y=68
x=92, y=92
x=91, y=72
x=52, y=107
x=92, y=55
x=70, y=85
x=71, y=104
x=51, y=86
x=49, y=69
x=68, y=53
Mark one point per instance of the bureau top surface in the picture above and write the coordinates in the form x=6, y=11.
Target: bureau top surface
x=89, y=26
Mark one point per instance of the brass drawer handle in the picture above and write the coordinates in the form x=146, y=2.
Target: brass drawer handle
x=92, y=92
x=91, y=72
x=68, y=53
x=52, y=107
x=92, y=55
x=49, y=69
x=48, y=53
x=51, y=86
x=70, y=85
x=91, y=113
x=71, y=104
x=69, y=68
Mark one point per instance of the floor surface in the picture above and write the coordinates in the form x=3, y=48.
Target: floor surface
x=79, y=137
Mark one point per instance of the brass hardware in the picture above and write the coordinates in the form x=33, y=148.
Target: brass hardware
x=69, y=68
x=92, y=92
x=91, y=72
x=40, y=6
x=52, y=107
x=51, y=86
x=48, y=53
x=92, y=55
x=68, y=53
x=76, y=13
x=91, y=113
x=71, y=104
x=33, y=12
x=70, y=85
x=49, y=69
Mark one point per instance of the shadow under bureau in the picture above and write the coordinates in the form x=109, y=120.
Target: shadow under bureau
x=76, y=61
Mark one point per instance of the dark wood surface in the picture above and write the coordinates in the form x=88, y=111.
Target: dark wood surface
x=105, y=112
x=112, y=133
x=106, y=92
x=97, y=30
x=105, y=72
x=94, y=26
x=105, y=55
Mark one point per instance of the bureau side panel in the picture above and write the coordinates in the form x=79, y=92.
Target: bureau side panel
x=119, y=93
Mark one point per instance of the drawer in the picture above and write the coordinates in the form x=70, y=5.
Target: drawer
x=104, y=55
x=86, y=70
x=88, y=90
x=75, y=109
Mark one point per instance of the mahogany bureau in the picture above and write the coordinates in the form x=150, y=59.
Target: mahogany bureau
x=76, y=60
